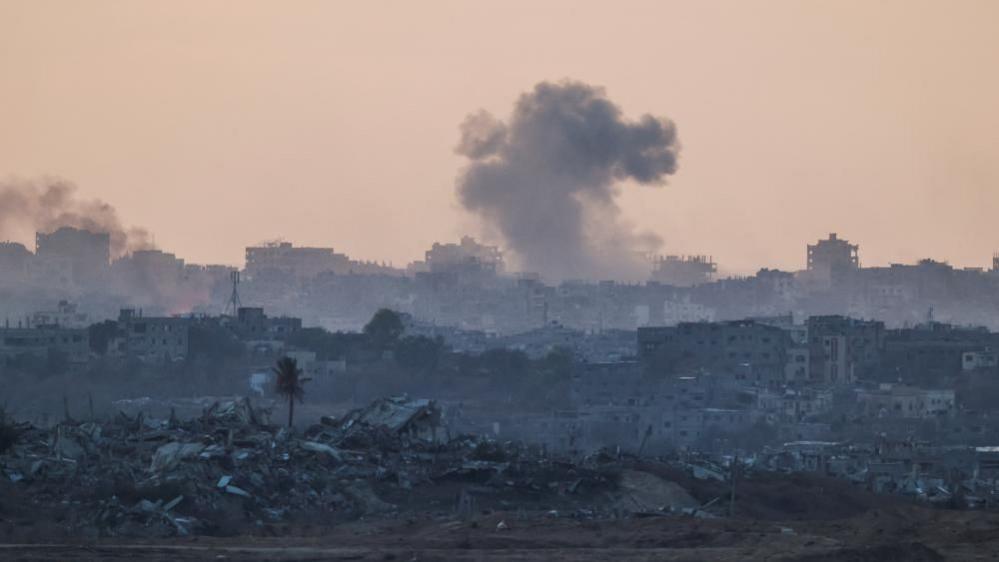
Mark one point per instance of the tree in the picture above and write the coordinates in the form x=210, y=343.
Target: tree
x=101, y=334
x=384, y=329
x=419, y=353
x=288, y=382
x=325, y=344
x=213, y=341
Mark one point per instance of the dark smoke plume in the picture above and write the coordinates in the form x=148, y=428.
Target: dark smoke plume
x=45, y=205
x=545, y=180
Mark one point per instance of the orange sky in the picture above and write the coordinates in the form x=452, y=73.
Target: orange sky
x=221, y=124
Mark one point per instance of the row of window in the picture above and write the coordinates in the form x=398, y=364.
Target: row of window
x=15, y=341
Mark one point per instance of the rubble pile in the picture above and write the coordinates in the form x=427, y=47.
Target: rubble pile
x=135, y=476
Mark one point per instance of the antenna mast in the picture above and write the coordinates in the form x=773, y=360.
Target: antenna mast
x=233, y=304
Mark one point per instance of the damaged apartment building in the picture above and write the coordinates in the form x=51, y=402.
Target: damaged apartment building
x=150, y=338
x=696, y=384
x=45, y=342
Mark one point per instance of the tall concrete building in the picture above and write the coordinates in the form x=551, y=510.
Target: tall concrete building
x=76, y=254
x=464, y=255
x=283, y=259
x=833, y=256
x=683, y=271
x=14, y=260
x=152, y=339
x=150, y=266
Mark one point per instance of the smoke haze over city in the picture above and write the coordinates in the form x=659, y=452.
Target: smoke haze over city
x=796, y=119
x=450, y=280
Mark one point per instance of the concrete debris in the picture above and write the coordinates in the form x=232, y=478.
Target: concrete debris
x=237, y=491
x=323, y=449
x=417, y=419
x=170, y=455
x=133, y=476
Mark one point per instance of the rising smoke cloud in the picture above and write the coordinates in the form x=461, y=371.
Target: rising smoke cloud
x=546, y=180
x=47, y=204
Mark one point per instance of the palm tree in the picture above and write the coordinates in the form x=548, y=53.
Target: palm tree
x=289, y=382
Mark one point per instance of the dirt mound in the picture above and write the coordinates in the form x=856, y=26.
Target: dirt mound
x=912, y=552
x=780, y=497
x=641, y=491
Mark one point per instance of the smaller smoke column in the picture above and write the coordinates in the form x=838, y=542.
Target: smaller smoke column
x=545, y=180
x=27, y=207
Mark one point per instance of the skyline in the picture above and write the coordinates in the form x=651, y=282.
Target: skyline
x=873, y=121
x=649, y=260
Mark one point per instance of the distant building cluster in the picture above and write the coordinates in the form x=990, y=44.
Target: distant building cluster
x=800, y=367
x=467, y=285
x=75, y=264
x=706, y=385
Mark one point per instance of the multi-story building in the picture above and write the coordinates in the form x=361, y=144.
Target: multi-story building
x=252, y=324
x=680, y=310
x=73, y=344
x=843, y=349
x=929, y=354
x=466, y=254
x=798, y=365
x=82, y=255
x=980, y=361
x=66, y=315
x=282, y=260
x=14, y=261
x=791, y=406
x=151, y=339
x=900, y=401
x=744, y=350
x=150, y=267
x=832, y=257
x=283, y=263
x=610, y=384
x=683, y=271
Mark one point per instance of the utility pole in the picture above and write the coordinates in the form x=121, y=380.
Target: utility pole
x=645, y=439
x=732, y=476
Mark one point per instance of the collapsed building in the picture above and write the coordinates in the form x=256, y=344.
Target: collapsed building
x=191, y=477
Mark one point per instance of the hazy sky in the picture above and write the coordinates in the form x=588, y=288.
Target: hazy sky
x=222, y=124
